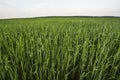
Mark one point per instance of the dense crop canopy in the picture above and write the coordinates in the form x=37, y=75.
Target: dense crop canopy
x=60, y=49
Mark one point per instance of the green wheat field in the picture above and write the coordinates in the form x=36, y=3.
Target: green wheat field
x=68, y=48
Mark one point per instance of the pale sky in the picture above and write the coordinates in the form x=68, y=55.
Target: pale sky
x=38, y=8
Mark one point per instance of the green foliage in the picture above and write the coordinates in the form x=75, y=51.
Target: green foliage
x=60, y=49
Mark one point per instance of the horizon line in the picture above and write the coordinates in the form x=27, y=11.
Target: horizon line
x=84, y=16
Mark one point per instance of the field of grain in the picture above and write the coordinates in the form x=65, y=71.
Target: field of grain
x=60, y=49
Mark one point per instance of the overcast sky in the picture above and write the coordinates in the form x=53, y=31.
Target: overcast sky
x=36, y=8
